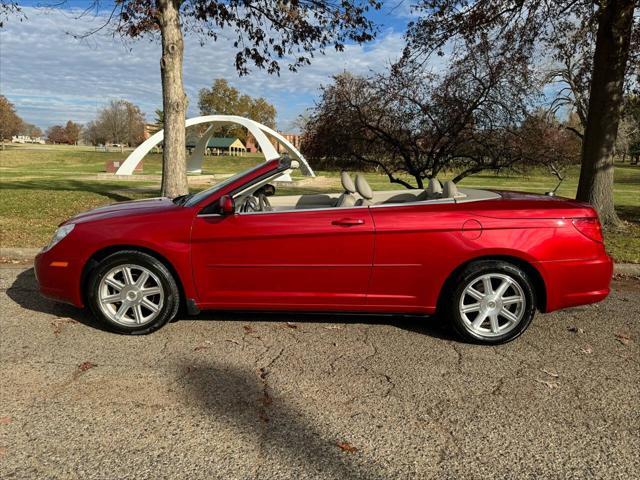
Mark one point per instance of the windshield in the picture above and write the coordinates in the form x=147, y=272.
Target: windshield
x=197, y=197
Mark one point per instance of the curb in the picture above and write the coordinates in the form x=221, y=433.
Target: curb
x=626, y=269
x=27, y=254
x=16, y=253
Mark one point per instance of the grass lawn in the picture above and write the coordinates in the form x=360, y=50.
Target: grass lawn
x=43, y=185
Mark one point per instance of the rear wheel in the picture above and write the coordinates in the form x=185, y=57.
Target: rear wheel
x=492, y=302
x=133, y=292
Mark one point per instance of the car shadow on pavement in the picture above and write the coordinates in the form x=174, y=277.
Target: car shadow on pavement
x=432, y=326
x=24, y=291
x=287, y=439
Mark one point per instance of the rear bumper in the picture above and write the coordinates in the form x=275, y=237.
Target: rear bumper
x=576, y=282
x=58, y=276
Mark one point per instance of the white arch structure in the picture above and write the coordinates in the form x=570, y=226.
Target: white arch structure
x=194, y=164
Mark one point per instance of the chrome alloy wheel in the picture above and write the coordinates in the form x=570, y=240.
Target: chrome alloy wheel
x=492, y=305
x=130, y=295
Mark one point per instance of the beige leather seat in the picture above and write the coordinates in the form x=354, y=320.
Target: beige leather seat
x=363, y=188
x=433, y=190
x=347, y=199
x=450, y=190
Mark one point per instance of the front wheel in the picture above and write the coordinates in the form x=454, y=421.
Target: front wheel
x=492, y=302
x=132, y=292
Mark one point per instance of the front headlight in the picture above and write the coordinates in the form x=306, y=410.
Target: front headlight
x=61, y=232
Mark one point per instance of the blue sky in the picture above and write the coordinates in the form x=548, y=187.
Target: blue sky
x=51, y=77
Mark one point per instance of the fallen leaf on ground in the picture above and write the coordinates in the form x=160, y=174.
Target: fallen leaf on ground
x=58, y=324
x=200, y=347
x=551, y=385
x=586, y=349
x=249, y=329
x=84, y=366
x=347, y=447
x=291, y=325
x=623, y=338
x=576, y=330
x=550, y=373
x=5, y=420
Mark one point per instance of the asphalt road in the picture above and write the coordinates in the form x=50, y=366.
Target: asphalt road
x=243, y=396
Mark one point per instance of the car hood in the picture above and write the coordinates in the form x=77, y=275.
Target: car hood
x=134, y=207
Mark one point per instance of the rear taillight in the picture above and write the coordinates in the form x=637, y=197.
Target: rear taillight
x=589, y=227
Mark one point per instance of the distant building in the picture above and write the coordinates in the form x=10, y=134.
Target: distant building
x=221, y=146
x=27, y=139
x=252, y=146
x=293, y=138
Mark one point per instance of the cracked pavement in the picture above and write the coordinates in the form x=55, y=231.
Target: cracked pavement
x=281, y=396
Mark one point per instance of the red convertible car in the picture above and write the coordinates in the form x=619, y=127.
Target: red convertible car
x=484, y=260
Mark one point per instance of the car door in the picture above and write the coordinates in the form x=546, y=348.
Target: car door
x=417, y=246
x=315, y=257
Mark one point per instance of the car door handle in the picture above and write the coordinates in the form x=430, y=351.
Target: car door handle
x=347, y=222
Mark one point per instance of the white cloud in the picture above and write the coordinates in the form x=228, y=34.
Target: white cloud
x=52, y=77
x=401, y=9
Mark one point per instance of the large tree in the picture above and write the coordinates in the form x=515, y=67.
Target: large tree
x=56, y=134
x=93, y=133
x=605, y=107
x=533, y=26
x=72, y=131
x=476, y=116
x=120, y=121
x=223, y=99
x=10, y=122
x=266, y=34
x=69, y=134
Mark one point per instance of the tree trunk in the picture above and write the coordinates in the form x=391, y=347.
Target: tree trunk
x=174, y=102
x=605, y=106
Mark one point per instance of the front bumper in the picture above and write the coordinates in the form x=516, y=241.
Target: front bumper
x=576, y=282
x=58, y=275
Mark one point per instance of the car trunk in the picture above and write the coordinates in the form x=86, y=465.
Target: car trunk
x=522, y=205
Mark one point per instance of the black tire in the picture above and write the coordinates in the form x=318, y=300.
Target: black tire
x=170, y=291
x=476, y=272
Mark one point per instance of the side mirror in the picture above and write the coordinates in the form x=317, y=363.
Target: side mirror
x=227, y=205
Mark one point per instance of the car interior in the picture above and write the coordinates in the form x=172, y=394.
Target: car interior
x=261, y=196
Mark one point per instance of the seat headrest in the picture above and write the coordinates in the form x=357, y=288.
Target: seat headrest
x=450, y=190
x=435, y=187
x=347, y=182
x=363, y=187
